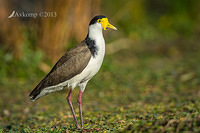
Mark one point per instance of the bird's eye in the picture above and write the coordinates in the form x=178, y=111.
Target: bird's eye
x=99, y=20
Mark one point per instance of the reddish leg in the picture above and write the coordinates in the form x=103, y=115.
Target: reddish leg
x=71, y=107
x=80, y=108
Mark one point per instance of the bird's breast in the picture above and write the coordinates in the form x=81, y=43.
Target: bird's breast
x=94, y=64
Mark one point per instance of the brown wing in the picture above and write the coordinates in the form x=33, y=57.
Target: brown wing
x=70, y=64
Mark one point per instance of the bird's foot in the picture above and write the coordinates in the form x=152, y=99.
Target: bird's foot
x=78, y=127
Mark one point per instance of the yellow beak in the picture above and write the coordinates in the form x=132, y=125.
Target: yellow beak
x=105, y=24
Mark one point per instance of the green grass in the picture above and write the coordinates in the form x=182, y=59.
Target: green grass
x=143, y=91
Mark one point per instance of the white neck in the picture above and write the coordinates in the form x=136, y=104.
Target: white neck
x=96, y=32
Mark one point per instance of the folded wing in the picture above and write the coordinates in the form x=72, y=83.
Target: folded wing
x=70, y=64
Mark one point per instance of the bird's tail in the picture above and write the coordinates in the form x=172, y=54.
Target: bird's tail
x=33, y=95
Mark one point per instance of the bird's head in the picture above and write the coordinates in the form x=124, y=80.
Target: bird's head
x=103, y=21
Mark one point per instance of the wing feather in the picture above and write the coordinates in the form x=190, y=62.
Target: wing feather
x=70, y=64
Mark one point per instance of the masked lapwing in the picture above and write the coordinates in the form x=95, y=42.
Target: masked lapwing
x=77, y=66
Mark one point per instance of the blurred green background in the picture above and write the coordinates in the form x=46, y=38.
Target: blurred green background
x=149, y=80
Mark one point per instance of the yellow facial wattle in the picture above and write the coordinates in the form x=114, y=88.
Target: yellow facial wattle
x=105, y=24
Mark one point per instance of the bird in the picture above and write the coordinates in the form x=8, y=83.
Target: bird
x=77, y=66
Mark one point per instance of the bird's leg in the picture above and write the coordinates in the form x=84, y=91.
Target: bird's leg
x=80, y=108
x=72, y=109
